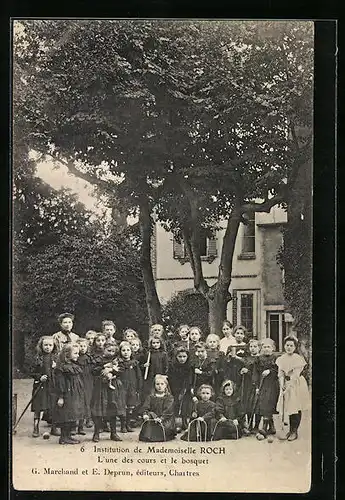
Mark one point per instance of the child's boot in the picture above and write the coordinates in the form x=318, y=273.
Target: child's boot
x=36, y=431
x=271, y=428
x=80, y=430
x=128, y=425
x=105, y=425
x=69, y=438
x=294, y=424
x=123, y=424
x=184, y=423
x=63, y=435
x=98, y=424
x=263, y=431
x=88, y=423
x=54, y=431
x=113, y=434
x=257, y=420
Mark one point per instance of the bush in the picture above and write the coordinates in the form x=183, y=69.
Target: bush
x=186, y=307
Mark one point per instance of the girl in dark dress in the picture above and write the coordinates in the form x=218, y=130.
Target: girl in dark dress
x=202, y=368
x=204, y=412
x=248, y=387
x=239, y=346
x=216, y=356
x=166, y=337
x=69, y=395
x=85, y=362
x=108, y=401
x=158, y=413
x=139, y=354
x=195, y=336
x=157, y=364
x=265, y=374
x=230, y=368
x=132, y=381
x=90, y=337
x=44, y=381
x=228, y=414
x=180, y=376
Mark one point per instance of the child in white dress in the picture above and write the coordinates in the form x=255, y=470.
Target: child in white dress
x=294, y=394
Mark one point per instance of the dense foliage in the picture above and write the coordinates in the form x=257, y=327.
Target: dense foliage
x=192, y=121
x=186, y=307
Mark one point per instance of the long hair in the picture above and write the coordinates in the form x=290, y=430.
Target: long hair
x=165, y=379
x=125, y=343
x=212, y=336
x=205, y=386
x=270, y=341
x=94, y=348
x=130, y=330
x=157, y=337
x=39, y=348
x=198, y=329
x=65, y=355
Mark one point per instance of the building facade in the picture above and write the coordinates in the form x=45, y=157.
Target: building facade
x=257, y=279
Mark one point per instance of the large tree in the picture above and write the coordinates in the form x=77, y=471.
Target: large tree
x=195, y=121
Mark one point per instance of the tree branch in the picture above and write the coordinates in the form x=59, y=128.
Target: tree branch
x=104, y=185
x=265, y=206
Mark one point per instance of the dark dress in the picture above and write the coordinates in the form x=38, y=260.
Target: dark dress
x=216, y=357
x=132, y=381
x=269, y=392
x=106, y=402
x=85, y=361
x=69, y=386
x=230, y=368
x=192, y=355
x=206, y=377
x=228, y=407
x=248, y=386
x=180, y=377
x=158, y=365
x=205, y=409
x=161, y=407
x=43, y=398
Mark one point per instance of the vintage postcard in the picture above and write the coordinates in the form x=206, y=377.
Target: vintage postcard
x=162, y=255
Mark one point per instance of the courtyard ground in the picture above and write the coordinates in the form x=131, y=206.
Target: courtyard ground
x=247, y=465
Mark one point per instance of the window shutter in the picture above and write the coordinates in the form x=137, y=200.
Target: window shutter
x=178, y=249
x=212, y=247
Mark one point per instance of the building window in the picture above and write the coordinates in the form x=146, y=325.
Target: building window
x=207, y=245
x=247, y=311
x=276, y=327
x=245, y=306
x=248, y=238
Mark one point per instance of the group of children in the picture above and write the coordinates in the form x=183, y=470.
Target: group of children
x=217, y=388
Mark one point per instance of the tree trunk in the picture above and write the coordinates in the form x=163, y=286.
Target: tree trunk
x=152, y=300
x=217, y=311
x=218, y=295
